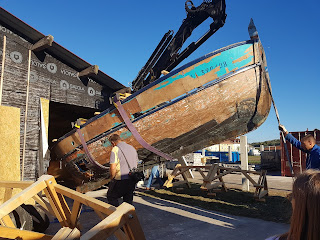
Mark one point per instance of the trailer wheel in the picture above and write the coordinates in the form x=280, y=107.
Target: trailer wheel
x=40, y=220
x=22, y=219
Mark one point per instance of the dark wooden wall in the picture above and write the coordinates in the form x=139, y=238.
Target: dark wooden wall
x=50, y=79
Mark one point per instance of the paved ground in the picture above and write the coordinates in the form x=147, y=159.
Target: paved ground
x=162, y=219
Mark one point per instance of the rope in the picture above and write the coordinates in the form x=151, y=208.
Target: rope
x=282, y=135
x=277, y=115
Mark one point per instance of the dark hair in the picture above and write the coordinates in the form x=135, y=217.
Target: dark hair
x=114, y=138
x=305, y=207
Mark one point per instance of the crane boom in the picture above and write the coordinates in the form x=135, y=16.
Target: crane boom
x=168, y=54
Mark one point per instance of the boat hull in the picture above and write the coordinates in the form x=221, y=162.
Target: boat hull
x=195, y=108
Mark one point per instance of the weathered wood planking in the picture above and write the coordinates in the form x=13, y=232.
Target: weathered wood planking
x=212, y=114
x=194, y=112
x=50, y=79
x=170, y=87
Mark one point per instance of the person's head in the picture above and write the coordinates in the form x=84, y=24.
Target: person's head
x=305, y=207
x=308, y=142
x=114, y=139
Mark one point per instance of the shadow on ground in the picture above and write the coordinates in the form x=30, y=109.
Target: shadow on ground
x=163, y=219
x=234, y=201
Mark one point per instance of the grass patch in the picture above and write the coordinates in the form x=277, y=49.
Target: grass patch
x=254, y=159
x=276, y=208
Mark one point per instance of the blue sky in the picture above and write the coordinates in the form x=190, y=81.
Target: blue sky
x=120, y=37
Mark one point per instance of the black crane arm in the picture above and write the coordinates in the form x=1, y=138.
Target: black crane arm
x=167, y=54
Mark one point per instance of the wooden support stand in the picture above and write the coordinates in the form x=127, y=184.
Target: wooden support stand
x=178, y=170
x=122, y=222
x=213, y=179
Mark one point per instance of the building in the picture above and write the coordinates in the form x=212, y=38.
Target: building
x=254, y=152
x=49, y=86
x=234, y=144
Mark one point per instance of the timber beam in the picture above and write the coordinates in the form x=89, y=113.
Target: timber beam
x=89, y=71
x=14, y=233
x=121, y=222
x=42, y=43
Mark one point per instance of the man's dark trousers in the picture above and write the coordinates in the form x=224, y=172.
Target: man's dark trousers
x=120, y=188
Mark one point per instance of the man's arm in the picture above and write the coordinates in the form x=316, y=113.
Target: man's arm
x=112, y=170
x=295, y=142
x=113, y=164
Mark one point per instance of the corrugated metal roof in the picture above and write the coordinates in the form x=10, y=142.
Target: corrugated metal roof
x=32, y=35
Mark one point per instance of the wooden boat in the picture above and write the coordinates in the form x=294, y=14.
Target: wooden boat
x=219, y=96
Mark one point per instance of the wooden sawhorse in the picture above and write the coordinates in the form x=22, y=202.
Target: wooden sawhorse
x=216, y=172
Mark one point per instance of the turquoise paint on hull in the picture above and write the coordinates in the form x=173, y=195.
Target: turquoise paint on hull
x=80, y=154
x=125, y=135
x=147, y=110
x=115, y=124
x=113, y=115
x=106, y=143
x=224, y=61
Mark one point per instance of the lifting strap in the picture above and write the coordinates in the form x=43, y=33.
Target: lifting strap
x=135, y=133
x=86, y=150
